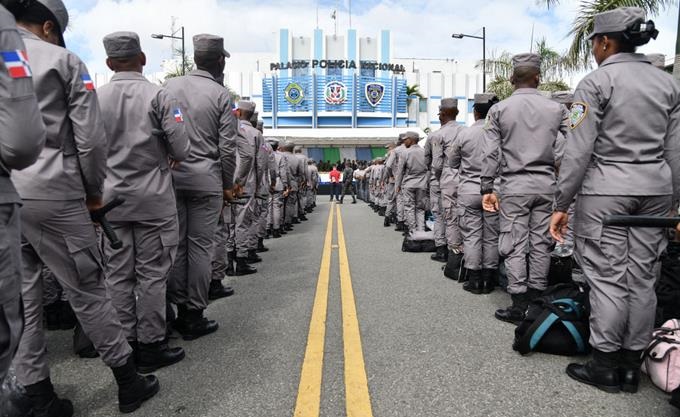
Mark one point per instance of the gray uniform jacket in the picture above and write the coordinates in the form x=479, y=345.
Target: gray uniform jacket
x=294, y=171
x=302, y=167
x=72, y=164
x=271, y=173
x=520, y=139
x=623, y=153
x=314, y=175
x=145, y=128
x=248, y=143
x=22, y=132
x=441, y=141
x=387, y=175
x=412, y=170
x=282, y=181
x=212, y=130
x=263, y=174
x=466, y=156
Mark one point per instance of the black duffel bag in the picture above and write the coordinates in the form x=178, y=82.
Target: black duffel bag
x=556, y=322
x=419, y=242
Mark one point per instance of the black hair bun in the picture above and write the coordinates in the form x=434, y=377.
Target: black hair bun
x=641, y=33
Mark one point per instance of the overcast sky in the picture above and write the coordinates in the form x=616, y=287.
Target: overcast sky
x=420, y=29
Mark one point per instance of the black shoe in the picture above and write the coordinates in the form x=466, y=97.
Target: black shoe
x=242, y=267
x=601, y=372
x=191, y=324
x=441, y=255
x=51, y=316
x=253, y=258
x=295, y=220
x=516, y=312
x=44, y=401
x=152, y=356
x=340, y=202
x=474, y=284
x=387, y=223
x=268, y=234
x=354, y=201
x=629, y=369
x=400, y=227
x=303, y=218
x=231, y=258
x=488, y=280
x=260, y=246
x=88, y=352
x=133, y=389
x=217, y=290
x=67, y=318
x=288, y=228
x=675, y=398
x=454, y=266
x=276, y=234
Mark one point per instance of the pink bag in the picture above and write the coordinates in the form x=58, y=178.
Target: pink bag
x=661, y=359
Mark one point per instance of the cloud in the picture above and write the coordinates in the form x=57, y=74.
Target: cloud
x=419, y=29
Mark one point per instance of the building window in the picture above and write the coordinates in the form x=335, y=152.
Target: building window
x=423, y=105
x=368, y=69
x=300, y=68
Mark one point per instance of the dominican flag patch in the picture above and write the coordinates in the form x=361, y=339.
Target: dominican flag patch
x=89, y=85
x=16, y=63
x=178, y=115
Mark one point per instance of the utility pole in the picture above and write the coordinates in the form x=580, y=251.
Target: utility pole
x=483, y=39
x=159, y=36
x=676, y=65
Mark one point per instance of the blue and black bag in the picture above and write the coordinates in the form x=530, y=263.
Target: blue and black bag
x=556, y=322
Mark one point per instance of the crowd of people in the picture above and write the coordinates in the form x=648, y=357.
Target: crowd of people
x=198, y=190
x=537, y=174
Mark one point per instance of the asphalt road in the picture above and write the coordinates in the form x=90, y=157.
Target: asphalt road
x=429, y=348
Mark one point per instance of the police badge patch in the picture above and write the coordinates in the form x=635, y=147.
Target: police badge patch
x=579, y=111
x=294, y=93
x=374, y=93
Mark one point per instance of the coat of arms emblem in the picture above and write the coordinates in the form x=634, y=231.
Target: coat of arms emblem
x=374, y=93
x=335, y=92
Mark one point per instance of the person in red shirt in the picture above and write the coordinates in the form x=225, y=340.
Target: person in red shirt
x=335, y=183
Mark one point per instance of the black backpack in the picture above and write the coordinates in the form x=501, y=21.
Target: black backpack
x=419, y=242
x=668, y=287
x=556, y=322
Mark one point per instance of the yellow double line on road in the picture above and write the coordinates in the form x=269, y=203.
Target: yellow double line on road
x=357, y=398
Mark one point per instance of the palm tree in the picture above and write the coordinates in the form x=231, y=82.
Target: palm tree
x=578, y=56
x=188, y=67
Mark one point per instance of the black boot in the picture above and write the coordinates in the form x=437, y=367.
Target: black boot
x=51, y=315
x=152, y=356
x=675, y=398
x=442, y=254
x=400, y=227
x=454, y=266
x=488, y=280
x=629, y=369
x=268, y=234
x=231, y=258
x=303, y=218
x=67, y=318
x=354, y=200
x=296, y=220
x=192, y=325
x=44, y=400
x=387, y=223
x=133, y=389
x=260, y=246
x=516, y=312
x=276, y=233
x=602, y=371
x=242, y=267
x=253, y=258
x=341, y=200
x=288, y=228
x=381, y=211
x=217, y=290
x=474, y=284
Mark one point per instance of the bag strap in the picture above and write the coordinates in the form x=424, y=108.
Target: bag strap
x=536, y=331
x=580, y=344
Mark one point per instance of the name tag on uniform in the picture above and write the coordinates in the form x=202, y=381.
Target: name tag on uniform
x=16, y=63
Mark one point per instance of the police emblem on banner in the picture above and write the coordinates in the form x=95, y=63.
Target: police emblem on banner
x=294, y=93
x=335, y=92
x=374, y=93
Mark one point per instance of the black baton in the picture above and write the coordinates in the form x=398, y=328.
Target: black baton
x=641, y=221
x=99, y=216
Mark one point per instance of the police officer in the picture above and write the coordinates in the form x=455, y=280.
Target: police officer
x=398, y=198
x=412, y=181
x=21, y=141
x=57, y=192
x=202, y=182
x=565, y=248
x=519, y=147
x=294, y=174
x=276, y=201
x=141, y=150
x=620, y=161
x=302, y=182
x=268, y=161
x=313, y=181
x=388, y=180
x=348, y=184
x=479, y=228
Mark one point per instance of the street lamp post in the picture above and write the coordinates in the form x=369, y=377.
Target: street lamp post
x=159, y=36
x=483, y=39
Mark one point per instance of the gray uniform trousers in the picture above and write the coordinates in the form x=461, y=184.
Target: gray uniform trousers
x=400, y=206
x=61, y=235
x=245, y=224
x=391, y=206
x=301, y=201
x=137, y=275
x=449, y=200
x=619, y=265
x=291, y=206
x=262, y=217
x=438, y=211
x=197, y=213
x=525, y=229
x=219, y=263
x=276, y=209
x=11, y=311
x=414, y=208
x=480, y=233
x=52, y=291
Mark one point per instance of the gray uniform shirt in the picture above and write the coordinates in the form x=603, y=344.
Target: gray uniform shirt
x=72, y=164
x=442, y=140
x=466, y=156
x=248, y=142
x=412, y=171
x=145, y=127
x=282, y=181
x=520, y=135
x=626, y=142
x=212, y=130
x=22, y=132
x=294, y=171
x=302, y=168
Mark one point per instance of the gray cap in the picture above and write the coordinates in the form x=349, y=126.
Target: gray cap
x=210, y=43
x=122, y=44
x=246, y=105
x=411, y=135
x=658, y=60
x=272, y=141
x=297, y=149
x=254, y=117
x=526, y=60
x=485, y=98
x=58, y=10
x=617, y=20
x=448, y=103
x=563, y=97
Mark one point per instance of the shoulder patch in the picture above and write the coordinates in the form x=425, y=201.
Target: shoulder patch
x=578, y=112
x=89, y=85
x=16, y=63
x=179, y=117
